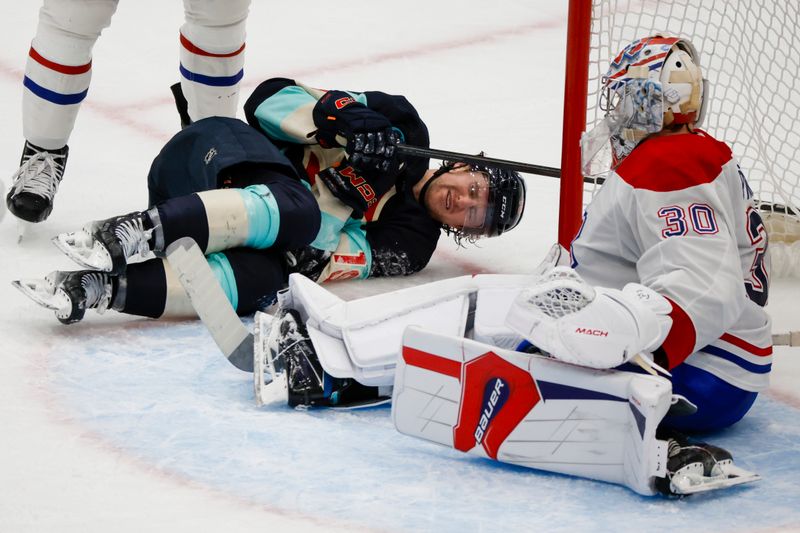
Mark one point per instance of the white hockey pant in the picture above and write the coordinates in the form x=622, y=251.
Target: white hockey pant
x=212, y=56
x=59, y=67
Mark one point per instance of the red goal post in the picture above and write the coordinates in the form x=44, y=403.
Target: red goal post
x=750, y=53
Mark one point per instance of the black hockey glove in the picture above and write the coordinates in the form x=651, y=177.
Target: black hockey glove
x=366, y=135
x=353, y=188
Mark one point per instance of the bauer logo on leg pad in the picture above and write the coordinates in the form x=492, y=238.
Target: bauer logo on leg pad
x=495, y=396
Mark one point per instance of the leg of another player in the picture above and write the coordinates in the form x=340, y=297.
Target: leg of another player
x=212, y=56
x=57, y=75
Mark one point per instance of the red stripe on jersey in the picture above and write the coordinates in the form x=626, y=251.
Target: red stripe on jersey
x=431, y=362
x=312, y=168
x=681, y=338
x=63, y=69
x=675, y=162
x=746, y=346
x=191, y=47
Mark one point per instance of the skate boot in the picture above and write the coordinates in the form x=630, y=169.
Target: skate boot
x=698, y=466
x=294, y=359
x=36, y=182
x=108, y=245
x=70, y=294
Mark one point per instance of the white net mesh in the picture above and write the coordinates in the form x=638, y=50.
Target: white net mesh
x=559, y=293
x=750, y=53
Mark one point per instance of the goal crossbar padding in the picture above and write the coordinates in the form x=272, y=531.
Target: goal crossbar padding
x=531, y=410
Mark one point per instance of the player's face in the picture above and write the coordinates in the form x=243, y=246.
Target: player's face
x=459, y=198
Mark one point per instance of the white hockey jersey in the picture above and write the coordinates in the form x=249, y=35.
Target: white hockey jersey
x=678, y=216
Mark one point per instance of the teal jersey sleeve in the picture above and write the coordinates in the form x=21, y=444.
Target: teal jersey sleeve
x=286, y=115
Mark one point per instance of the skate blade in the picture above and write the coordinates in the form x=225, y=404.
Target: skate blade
x=267, y=388
x=81, y=247
x=43, y=292
x=22, y=229
x=732, y=475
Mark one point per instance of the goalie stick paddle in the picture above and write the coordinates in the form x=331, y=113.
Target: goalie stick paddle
x=210, y=302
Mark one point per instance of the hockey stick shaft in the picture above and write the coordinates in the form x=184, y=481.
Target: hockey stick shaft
x=210, y=302
x=791, y=338
x=417, y=151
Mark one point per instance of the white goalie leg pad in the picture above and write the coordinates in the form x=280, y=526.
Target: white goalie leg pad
x=590, y=326
x=496, y=294
x=362, y=338
x=531, y=410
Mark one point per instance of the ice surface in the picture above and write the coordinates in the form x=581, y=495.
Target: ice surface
x=125, y=424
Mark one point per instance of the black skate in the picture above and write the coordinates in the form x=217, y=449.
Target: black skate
x=698, y=466
x=70, y=294
x=36, y=182
x=290, y=358
x=108, y=245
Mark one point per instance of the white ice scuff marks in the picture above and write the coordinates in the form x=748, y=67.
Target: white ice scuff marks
x=162, y=393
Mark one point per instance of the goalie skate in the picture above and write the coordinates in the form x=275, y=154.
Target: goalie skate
x=700, y=467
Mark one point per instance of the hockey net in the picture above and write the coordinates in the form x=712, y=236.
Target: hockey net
x=749, y=52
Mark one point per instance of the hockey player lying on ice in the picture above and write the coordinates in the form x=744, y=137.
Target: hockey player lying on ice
x=668, y=270
x=259, y=214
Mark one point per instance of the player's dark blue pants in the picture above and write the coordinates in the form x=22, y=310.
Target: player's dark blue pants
x=719, y=404
x=212, y=154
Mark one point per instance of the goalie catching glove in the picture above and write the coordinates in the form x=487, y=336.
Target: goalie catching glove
x=590, y=326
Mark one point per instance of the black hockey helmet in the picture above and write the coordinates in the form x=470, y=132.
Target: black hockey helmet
x=506, y=201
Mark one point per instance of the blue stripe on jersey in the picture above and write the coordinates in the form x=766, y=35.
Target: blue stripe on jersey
x=213, y=81
x=223, y=271
x=735, y=359
x=263, y=216
x=52, y=96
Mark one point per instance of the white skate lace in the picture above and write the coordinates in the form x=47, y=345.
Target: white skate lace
x=97, y=289
x=40, y=174
x=133, y=237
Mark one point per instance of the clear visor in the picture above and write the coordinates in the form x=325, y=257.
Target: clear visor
x=633, y=111
x=478, y=204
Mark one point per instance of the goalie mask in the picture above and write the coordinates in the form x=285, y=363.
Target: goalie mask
x=653, y=83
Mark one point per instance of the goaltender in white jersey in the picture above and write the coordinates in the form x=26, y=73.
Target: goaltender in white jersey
x=669, y=270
